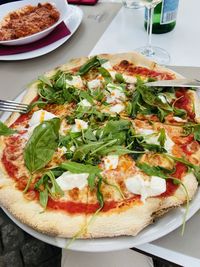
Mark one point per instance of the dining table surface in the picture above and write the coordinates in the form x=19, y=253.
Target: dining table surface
x=109, y=27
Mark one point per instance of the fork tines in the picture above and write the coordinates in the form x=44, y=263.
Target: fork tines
x=7, y=105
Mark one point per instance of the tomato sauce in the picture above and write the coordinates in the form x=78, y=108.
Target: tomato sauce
x=184, y=102
x=130, y=69
x=181, y=169
x=11, y=169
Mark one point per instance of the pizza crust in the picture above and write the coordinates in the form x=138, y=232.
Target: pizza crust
x=54, y=223
x=137, y=217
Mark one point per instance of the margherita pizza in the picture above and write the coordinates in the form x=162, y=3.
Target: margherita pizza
x=99, y=153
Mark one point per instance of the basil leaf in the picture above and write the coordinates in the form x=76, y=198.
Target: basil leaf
x=93, y=62
x=42, y=144
x=5, y=130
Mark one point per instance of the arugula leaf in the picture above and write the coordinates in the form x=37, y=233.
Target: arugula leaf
x=93, y=62
x=116, y=126
x=192, y=129
x=165, y=174
x=5, y=130
x=133, y=106
x=153, y=170
x=82, y=151
x=162, y=114
x=61, y=82
x=99, y=193
x=119, y=78
x=45, y=80
x=106, y=74
x=44, y=198
x=179, y=112
x=162, y=137
x=154, y=147
x=196, y=169
x=42, y=145
x=46, y=186
x=75, y=167
x=118, y=150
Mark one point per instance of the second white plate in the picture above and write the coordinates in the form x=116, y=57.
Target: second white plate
x=72, y=21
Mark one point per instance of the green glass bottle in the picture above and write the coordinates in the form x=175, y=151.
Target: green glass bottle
x=164, y=17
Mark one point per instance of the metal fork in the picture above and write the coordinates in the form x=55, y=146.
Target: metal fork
x=7, y=105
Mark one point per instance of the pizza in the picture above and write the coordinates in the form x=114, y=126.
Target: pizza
x=98, y=153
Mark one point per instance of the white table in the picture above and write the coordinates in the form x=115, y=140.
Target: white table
x=126, y=32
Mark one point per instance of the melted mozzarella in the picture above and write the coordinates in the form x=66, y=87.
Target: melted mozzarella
x=79, y=126
x=62, y=150
x=116, y=94
x=109, y=68
x=68, y=180
x=146, y=188
x=151, y=137
x=93, y=84
x=111, y=162
x=168, y=144
x=117, y=108
x=84, y=103
x=107, y=65
x=37, y=118
x=179, y=119
x=64, y=128
x=40, y=116
x=129, y=79
x=76, y=81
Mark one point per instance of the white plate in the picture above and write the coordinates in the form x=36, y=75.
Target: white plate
x=164, y=225
x=72, y=21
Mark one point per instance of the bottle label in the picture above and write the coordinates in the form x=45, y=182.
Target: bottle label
x=169, y=11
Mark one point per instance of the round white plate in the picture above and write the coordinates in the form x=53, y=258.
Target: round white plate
x=72, y=21
x=164, y=225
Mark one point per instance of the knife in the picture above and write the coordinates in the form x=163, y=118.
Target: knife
x=175, y=83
